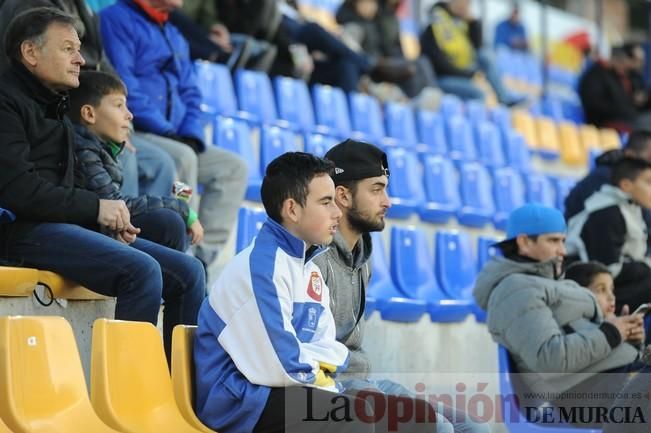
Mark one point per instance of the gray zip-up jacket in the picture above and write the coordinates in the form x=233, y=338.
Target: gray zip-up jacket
x=552, y=328
x=347, y=275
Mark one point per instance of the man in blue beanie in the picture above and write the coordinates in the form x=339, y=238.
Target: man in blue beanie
x=553, y=328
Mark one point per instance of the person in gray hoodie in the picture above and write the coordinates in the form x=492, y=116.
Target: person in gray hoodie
x=611, y=229
x=553, y=329
x=361, y=178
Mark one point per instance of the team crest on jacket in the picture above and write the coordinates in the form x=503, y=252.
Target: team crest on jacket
x=315, y=288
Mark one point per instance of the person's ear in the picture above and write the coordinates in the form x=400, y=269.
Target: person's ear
x=291, y=211
x=625, y=185
x=523, y=242
x=87, y=114
x=343, y=196
x=29, y=52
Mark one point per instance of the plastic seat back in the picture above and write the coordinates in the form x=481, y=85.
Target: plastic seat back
x=524, y=124
x=294, y=103
x=366, y=116
x=331, y=110
x=451, y=106
x=381, y=285
x=489, y=144
x=406, y=187
x=131, y=388
x=589, y=135
x=477, y=204
x=42, y=385
x=431, y=130
x=400, y=123
x=517, y=152
x=548, y=138
x=572, y=150
x=183, y=374
x=17, y=281
x=540, y=189
x=455, y=263
x=476, y=111
x=318, y=144
x=563, y=187
x=274, y=141
x=461, y=143
x=255, y=95
x=509, y=193
x=249, y=222
x=485, y=250
x=411, y=264
x=441, y=189
x=217, y=91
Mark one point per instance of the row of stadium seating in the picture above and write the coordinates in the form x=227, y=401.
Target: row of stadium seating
x=42, y=385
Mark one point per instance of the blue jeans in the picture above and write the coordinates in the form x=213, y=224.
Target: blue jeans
x=156, y=169
x=137, y=275
x=164, y=227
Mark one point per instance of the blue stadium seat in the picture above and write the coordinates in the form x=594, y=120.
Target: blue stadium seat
x=461, y=143
x=249, y=222
x=501, y=116
x=318, y=144
x=517, y=152
x=489, y=144
x=235, y=136
x=413, y=272
x=294, y=103
x=476, y=111
x=217, y=92
x=405, y=187
x=431, y=130
x=573, y=111
x=382, y=290
x=331, y=110
x=508, y=190
x=477, y=205
x=486, y=250
x=540, y=189
x=441, y=189
x=366, y=117
x=514, y=420
x=563, y=187
x=456, y=267
x=274, y=141
x=552, y=107
x=400, y=124
x=255, y=96
x=451, y=106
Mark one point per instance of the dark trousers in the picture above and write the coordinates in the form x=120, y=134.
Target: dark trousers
x=311, y=410
x=137, y=275
x=164, y=227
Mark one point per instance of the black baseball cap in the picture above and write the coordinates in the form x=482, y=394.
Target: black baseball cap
x=355, y=160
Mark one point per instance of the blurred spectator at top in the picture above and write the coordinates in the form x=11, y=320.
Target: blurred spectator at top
x=639, y=90
x=606, y=93
x=86, y=24
x=375, y=28
x=453, y=43
x=213, y=41
x=511, y=33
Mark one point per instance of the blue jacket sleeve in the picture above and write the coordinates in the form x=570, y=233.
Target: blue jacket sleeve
x=120, y=47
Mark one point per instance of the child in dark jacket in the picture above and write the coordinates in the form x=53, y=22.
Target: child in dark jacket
x=102, y=125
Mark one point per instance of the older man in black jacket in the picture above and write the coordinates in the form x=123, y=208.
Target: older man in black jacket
x=55, y=222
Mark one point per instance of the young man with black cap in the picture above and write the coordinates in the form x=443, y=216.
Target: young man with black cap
x=553, y=328
x=361, y=177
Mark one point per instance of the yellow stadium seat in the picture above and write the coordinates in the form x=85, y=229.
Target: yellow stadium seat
x=524, y=124
x=609, y=139
x=590, y=137
x=131, y=388
x=66, y=289
x=572, y=150
x=183, y=374
x=17, y=281
x=547, y=138
x=4, y=428
x=42, y=385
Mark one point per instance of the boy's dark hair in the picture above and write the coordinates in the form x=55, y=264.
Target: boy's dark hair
x=31, y=25
x=628, y=168
x=638, y=141
x=289, y=176
x=93, y=86
x=584, y=272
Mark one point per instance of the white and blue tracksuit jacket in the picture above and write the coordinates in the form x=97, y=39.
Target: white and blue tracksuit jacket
x=267, y=323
